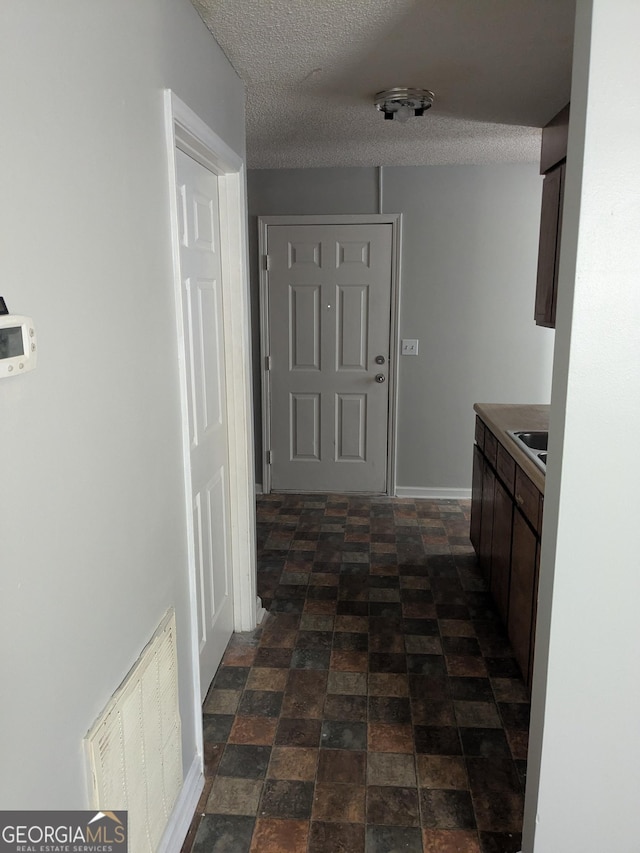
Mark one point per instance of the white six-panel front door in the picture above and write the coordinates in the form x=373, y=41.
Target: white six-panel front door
x=329, y=302
x=200, y=268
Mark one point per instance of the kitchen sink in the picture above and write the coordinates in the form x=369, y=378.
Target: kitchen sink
x=533, y=440
x=534, y=443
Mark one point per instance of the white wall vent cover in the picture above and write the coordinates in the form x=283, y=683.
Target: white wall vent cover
x=135, y=747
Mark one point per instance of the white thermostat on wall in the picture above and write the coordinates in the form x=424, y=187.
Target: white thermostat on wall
x=18, y=349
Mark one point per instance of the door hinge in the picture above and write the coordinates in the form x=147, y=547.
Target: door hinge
x=267, y=362
x=269, y=457
x=266, y=262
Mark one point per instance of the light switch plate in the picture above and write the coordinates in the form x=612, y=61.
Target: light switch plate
x=409, y=347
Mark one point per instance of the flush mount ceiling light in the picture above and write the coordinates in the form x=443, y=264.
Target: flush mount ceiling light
x=400, y=104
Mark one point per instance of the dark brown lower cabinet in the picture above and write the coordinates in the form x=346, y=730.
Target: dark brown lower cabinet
x=506, y=519
x=476, y=498
x=524, y=561
x=501, y=548
x=534, y=616
x=486, y=519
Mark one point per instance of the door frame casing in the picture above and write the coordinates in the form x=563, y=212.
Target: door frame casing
x=393, y=219
x=184, y=130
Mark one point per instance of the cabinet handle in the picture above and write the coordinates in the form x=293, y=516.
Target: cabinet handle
x=519, y=500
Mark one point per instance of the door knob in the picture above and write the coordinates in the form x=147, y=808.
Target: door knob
x=380, y=377
x=379, y=359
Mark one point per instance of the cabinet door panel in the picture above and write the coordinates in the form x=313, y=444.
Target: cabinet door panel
x=476, y=499
x=549, y=246
x=486, y=522
x=501, y=548
x=479, y=433
x=521, y=594
x=534, y=615
x=555, y=137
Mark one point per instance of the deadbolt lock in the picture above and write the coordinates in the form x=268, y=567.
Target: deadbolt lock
x=379, y=359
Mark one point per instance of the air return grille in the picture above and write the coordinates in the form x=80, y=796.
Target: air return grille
x=134, y=747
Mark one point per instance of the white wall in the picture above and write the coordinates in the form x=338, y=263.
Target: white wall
x=92, y=534
x=583, y=779
x=469, y=259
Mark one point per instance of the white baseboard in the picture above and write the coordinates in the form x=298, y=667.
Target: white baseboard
x=433, y=493
x=417, y=492
x=184, y=809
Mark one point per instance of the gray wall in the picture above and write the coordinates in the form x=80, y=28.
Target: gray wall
x=470, y=237
x=92, y=524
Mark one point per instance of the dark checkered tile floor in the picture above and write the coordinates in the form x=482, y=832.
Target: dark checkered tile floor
x=379, y=707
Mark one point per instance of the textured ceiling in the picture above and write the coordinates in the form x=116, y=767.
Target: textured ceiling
x=500, y=69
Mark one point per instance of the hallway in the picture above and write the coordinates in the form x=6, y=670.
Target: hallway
x=378, y=708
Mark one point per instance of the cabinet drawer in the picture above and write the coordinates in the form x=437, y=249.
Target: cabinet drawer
x=506, y=468
x=480, y=434
x=527, y=498
x=490, y=447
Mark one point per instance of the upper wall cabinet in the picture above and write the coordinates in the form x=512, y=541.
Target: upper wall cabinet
x=552, y=165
